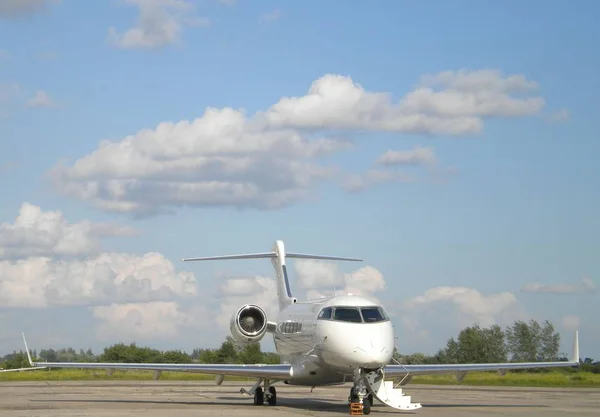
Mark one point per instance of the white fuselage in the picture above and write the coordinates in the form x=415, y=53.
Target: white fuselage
x=327, y=350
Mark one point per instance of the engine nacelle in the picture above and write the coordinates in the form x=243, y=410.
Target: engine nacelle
x=248, y=324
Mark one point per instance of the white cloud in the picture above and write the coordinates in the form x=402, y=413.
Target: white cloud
x=220, y=159
x=271, y=159
x=571, y=323
x=586, y=286
x=336, y=101
x=560, y=116
x=41, y=99
x=39, y=282
x=417, y=156
x=148, y=321
x=47, y=233
x=19, y=8
x=271, y=16
x=238, y=291
x=325, y=278
x=430, y=319
x=470, y=303
x=160, y=23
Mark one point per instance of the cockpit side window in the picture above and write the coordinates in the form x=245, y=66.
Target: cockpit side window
x=373, y=314
x=325, y=314
x=350, y=314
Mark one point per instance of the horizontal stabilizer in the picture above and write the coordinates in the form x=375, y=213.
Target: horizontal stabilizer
x=242, y=256
x=263, y=255
x=331, y=258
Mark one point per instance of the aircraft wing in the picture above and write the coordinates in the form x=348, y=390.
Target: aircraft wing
x=22, y=369
x=278, y=371
x=397, y=371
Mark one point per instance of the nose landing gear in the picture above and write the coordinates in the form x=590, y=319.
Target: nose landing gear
x=359, y=400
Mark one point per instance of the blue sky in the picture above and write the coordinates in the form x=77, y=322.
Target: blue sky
x=492, y=190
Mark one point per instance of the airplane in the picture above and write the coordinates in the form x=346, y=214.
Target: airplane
x=325, y=341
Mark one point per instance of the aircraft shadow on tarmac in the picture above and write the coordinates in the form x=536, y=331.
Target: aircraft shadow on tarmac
x=310, y=404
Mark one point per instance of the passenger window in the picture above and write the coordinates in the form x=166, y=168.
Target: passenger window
x=325, y=314
x=347, y=314
x=373, y=314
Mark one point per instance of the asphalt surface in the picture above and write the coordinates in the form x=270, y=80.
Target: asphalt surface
x=183, y=399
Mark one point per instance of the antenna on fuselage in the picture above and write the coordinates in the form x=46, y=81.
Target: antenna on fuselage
x=277, y=256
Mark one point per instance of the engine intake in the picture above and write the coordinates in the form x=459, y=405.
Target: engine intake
x=248, y=324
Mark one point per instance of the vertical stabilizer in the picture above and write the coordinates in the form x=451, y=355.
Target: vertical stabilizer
x=284, y=291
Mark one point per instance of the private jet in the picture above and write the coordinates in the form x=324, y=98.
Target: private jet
x=325, y=341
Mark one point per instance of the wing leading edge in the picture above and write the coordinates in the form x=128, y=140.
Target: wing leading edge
x=278, y=371
x=22, y=369
x=403, y=370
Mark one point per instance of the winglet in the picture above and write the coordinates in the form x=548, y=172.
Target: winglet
x=27, y=350
x=575, y=354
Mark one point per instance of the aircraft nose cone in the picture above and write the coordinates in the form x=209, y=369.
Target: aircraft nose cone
x=373, y=354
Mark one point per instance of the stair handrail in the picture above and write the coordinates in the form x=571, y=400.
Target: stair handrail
x=405, y=376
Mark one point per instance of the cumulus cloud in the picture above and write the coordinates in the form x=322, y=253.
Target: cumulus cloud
x=571, y=322
x=325, y=278
x=273, y=159
x=358, y=182
x=41, y=99
x=463, y=306
x=47, y=233
x=462, y=99
x=39, y=282
x=148, y=321
x=417, y=156
x=20, y=8
x=220, y=159
x=235, y=292
x=270, y=16
x=586, y=285
x=160, y=23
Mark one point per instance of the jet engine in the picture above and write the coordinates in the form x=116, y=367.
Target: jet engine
x=248, y=324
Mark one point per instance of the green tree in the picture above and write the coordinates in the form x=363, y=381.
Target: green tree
x=550, y=343
x=227, y=353
x=176, y=356
x=251, y=354
x=530, y=342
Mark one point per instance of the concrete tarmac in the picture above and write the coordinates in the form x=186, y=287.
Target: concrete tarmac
x=183, y=399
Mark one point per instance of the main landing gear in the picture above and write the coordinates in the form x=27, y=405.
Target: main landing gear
x=268, y=393
x=359, y=400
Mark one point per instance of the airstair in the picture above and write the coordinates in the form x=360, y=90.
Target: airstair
x=385, y=392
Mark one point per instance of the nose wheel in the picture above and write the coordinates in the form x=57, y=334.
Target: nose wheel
x=359, y=400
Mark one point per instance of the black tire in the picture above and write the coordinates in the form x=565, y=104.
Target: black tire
x=366, y=406
x=272, y=400
x=259, y=397
x=352, y=397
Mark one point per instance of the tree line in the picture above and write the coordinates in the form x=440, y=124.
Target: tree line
x=521, y=342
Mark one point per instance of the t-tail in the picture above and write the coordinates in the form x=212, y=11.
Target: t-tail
x=278, y=256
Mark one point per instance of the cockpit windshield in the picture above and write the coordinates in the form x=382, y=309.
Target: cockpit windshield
x=371, y=314
x=347, y=314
